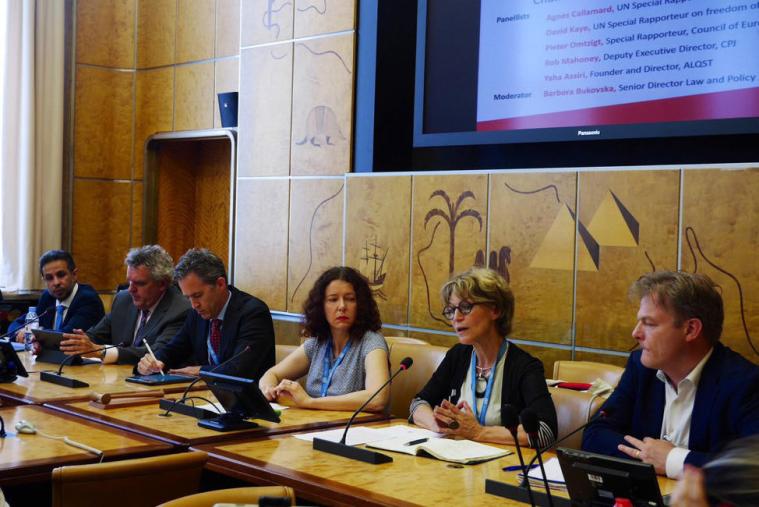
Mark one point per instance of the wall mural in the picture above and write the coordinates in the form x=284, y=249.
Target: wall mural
x=445, y=210
x=321, y=128
x=311, y=232
x=373, y=267
x=693, y=245
x=268, y=19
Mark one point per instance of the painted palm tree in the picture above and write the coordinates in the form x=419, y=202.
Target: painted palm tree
x=452, y=216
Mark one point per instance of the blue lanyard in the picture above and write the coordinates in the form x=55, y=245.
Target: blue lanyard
x=327, y=371
x=212, y=358
x=488, y=390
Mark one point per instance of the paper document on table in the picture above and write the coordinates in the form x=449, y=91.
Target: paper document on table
x=445, y=449
x=554, y=474
x=356, y=435
x=361, y=434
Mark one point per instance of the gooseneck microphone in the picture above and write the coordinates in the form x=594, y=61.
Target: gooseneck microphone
x=531, y=425
x=601, y=414
x=510, y=419
x=405, y=365
x=58, y=378
x=348, y=451
x=173, y=404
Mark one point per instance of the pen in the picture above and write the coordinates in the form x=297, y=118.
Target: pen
x=454, y=425
x=150, y=351
x=517, y=468
x=415, y=442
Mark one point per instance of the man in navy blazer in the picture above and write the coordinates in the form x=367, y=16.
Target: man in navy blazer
x=683, y=394
x=65, y=304
x=229, y=329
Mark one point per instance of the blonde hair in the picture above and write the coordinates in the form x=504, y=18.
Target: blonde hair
x=482, y=285
x=686, y=296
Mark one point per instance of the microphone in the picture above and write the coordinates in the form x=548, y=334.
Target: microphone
x=510, y=418
x=58, y=378
x=171, y=405
x=348, y=451
x=601, y=414
x=530, y=423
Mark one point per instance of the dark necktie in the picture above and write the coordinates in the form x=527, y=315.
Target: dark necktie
x=216, y=335
x=141, y=327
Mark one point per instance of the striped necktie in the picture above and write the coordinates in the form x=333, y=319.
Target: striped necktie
x=140, y=328
x=216, y=335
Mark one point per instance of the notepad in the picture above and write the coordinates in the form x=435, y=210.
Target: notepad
x=465, y=452
x=554, y=475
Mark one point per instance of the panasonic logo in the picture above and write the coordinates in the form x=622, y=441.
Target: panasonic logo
x=588, y=132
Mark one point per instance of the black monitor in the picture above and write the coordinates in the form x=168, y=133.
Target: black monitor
x=241, y=398
x=595, y=479
x=10, y=365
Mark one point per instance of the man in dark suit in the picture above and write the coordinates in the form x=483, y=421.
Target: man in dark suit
x=65, y=304
x=151, y=310
x=227, y=325
x=683, y=394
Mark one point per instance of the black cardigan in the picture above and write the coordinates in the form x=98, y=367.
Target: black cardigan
x=524, y=383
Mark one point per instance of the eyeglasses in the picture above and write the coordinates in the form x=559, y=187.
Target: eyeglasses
x=464, y=308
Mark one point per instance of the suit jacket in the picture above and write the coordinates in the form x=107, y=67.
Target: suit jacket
x=85, y=310
x=726, y=407
x=523, y=385
x=247, y=322
x=117, y=328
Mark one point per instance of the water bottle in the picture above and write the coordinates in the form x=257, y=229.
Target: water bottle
x=31, y=323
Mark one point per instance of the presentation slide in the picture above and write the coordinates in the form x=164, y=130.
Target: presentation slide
x=562, y=63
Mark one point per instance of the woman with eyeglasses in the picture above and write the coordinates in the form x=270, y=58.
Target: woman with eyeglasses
x=344, y=356
x=484, y=372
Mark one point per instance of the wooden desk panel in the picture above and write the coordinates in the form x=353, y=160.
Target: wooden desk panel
x=333, y=480
x=31, y=458
x=108, y=378
x=184, y=430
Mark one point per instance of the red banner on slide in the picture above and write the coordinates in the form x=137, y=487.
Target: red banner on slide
x=709, y=106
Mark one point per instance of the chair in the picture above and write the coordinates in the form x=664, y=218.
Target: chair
x=282, y=351
x=391, y=340
x=573, y=409
x=248, y=495
x=587, y=371
x=407, y=384
x=128, y=483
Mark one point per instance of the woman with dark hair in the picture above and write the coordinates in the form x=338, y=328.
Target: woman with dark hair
x=344, y=356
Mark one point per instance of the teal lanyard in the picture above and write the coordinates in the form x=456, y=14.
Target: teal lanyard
x=327, y=371
x=489, y=389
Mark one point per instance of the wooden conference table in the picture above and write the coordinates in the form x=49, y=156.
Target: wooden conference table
x=182, y=430
x=109, y=378
x=333, y=480
x=26, y=458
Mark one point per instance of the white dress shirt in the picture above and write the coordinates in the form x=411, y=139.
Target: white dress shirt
x=66, y=303
x=678, y=410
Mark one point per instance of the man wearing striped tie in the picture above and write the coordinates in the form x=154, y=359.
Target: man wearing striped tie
x=150, y=310
x=65, y=304
x=229, y=328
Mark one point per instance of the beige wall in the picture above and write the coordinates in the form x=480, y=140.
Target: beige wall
x=569, y=241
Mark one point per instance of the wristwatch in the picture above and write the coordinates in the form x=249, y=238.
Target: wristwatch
x=102, y=353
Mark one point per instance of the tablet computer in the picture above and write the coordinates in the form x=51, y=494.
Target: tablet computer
x=10, y=365
x=48, y=338
x=156, y=379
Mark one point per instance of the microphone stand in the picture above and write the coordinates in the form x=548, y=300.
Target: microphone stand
x=58, y=378
x=357, y=453
x=179, y=405
x=511, y=417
